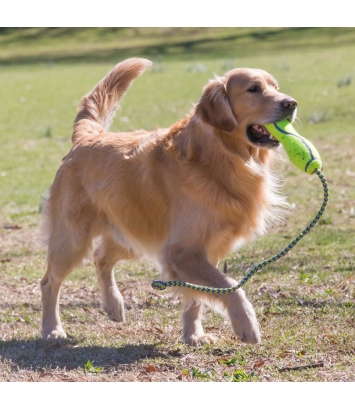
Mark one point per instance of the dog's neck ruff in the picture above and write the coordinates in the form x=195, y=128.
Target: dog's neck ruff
x=161, y=285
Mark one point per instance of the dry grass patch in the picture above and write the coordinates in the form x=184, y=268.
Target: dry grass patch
x=307, y=325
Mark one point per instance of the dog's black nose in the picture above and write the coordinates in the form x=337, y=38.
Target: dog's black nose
x=289, y=103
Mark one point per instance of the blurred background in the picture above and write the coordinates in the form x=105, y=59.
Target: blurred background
x=44, y=72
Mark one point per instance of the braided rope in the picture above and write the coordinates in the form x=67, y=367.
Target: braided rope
x=161, y=285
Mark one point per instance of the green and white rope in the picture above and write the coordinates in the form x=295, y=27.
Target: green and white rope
x=161, y=285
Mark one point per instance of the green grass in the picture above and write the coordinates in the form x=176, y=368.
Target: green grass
x=305, y=301
x=48, y=45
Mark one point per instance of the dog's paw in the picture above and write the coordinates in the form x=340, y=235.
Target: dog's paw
x=196, y=340
x=117, y=316
x=54, y=334
x=250, y=334
x=243, y=319
x=115, y=312
x=113, y=305
x=246, y=327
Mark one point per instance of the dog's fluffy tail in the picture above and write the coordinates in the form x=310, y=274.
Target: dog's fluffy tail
x=97, y=108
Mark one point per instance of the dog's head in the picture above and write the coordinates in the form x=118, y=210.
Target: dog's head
x=242, y=101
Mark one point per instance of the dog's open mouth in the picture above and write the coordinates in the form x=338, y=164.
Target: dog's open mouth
x=259, y=135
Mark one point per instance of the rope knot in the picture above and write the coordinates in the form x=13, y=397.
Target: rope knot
x=158, y=285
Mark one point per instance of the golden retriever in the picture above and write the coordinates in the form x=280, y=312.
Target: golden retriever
x=185, y=196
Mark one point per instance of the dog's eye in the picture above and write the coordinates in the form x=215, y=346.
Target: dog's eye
x=253, y=89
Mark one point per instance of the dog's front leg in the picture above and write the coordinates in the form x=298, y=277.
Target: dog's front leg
x=191, y=265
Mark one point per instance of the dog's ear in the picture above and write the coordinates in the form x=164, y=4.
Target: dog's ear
x=214, y=107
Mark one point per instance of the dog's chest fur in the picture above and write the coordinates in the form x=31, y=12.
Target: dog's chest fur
x=234, y=212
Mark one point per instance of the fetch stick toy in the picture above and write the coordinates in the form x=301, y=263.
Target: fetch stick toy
x=300, y=151
x=304, y=155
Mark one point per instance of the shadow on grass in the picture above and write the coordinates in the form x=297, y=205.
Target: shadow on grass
x=68, y=355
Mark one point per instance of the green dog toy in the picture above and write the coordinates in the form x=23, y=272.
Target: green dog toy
x=300, y=151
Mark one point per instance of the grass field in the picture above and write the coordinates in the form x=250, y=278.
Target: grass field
x=305, y=302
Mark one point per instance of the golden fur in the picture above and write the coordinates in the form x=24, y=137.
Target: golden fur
x=185, y=196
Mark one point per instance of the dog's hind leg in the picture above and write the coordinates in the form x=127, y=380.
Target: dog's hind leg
x=193, y=333
x=107, y=254
x=67, y=246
